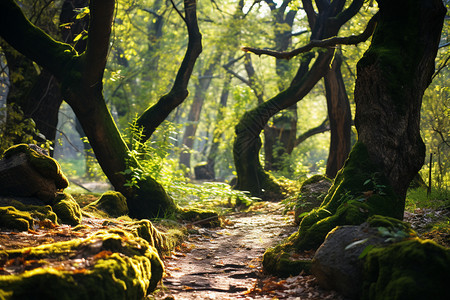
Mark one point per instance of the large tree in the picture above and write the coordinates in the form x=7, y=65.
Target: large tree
x=391, y=79
x=324, y=23
x=80, y=76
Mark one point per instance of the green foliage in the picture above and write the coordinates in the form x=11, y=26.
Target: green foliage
x=156, y=161
x=418, y=198
x=17, y=129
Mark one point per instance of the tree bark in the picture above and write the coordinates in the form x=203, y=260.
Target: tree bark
x=392, y=77
x=340, y=117
x=391, y=84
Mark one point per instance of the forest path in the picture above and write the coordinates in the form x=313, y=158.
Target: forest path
x=225, y=263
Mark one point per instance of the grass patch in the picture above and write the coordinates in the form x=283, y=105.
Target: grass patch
x=418, y=198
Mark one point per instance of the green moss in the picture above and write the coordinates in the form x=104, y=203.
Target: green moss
x=150, y=200
x=279, y=261
x=396, y=48
x=44, y=165
x=12, y=218
x=38, y=212
x=359, y=191
x=161, y=241
x=67, y=209
x=198, y=216
x=112, y=203
x=120, y=266
x=315, y=179
x=412, y=269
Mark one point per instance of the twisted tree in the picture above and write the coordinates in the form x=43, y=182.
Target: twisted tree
x=80, y=76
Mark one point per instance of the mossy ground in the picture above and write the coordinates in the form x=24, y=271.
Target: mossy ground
x=110, y=264
x=119, y=255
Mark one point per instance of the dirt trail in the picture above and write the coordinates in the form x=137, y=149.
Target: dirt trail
x=225, y=263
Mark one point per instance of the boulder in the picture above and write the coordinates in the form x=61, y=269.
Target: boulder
x=203, y=172
x=312, y=193
x=26, y=172
x=111, y=203
x=338, y=263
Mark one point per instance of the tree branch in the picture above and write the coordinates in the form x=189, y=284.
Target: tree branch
x=310, y=12
x=327, y=43
x=102, y=12
x=347, y=14
x=156, y=114
x=325, y=126
x=32, y=42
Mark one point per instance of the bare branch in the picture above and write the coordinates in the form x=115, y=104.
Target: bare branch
x=310, y=12
x=179, y=12
x=327, y=43
x=102, y=13
x=325, y=126
x=441, y=67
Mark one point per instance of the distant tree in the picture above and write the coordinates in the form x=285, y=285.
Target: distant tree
x=324, y=24
x=80, y=76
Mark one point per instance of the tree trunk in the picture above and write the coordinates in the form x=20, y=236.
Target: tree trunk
x=251, y=176
x=218, y=131
x=81, y=84
x=392, y=77
x=280, y=137
x=194, y=113
x=340, y=118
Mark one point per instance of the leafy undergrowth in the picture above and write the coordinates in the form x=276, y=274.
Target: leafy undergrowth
x=429, y=215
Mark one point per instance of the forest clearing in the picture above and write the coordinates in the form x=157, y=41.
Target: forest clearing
x=273, y=149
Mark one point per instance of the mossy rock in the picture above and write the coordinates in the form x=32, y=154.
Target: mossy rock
x=201, y=217
x=12, y=218
x=412, y=269
x=312, y=194
x=25, y=215
x=164, y=242
x=150, y=201
x=107, y=265
x=45, y=165
x=280, y=261
x=67, y=209
x=111, y=203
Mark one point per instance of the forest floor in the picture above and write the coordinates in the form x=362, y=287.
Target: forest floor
x=225, y=262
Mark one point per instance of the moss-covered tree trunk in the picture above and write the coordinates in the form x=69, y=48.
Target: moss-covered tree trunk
x=392, y=77
x=340, y=118
x=81, y=83
x=324, y=24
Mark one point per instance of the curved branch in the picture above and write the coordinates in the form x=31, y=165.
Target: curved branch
x=327, y=43
x=157, y=113
x=102, y=12
x=179, y=12
x=347, y=14
x=32, y=42
x=324, y=127
x=310, y=12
